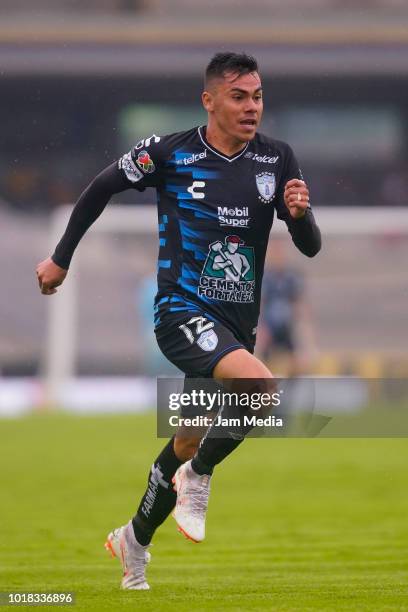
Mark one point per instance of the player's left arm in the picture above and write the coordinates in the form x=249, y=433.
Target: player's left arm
x=293, y=207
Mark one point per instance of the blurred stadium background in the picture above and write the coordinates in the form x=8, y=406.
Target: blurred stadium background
x=83, y=81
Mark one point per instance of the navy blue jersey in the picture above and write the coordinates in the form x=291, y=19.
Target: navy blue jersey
x=214, y=214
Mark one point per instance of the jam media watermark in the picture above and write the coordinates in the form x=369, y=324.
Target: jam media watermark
x=223, y=421
x=296, y=407
x=234, y=407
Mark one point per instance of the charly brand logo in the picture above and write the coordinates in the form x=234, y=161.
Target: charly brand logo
x=262, y=159
x=147, y=141
x=145, y=162
x=234, y=217
x=266, y=183
x=128, y=166
x=229, y=271
x=190, y=158
x=197, y=195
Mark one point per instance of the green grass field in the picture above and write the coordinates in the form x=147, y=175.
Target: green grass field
x=293, y=524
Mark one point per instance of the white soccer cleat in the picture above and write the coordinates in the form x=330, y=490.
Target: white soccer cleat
x=193, y=491
x=121, y=543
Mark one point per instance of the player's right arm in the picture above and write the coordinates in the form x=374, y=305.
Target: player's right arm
x=134, y=170
x=52, y=271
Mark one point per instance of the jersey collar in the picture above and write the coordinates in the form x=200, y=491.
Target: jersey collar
x=215, y=151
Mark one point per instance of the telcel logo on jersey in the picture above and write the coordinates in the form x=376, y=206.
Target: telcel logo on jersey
x=194, y=157
x=235, y=217
x=263, y=159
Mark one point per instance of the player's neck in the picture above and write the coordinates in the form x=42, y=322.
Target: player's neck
x=223, y=142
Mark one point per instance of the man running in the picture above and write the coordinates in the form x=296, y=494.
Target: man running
x=208, y=179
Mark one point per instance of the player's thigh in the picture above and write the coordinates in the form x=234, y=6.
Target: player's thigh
x=240, y=363
x=242, y=372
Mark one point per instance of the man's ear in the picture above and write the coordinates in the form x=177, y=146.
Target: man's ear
x=207, y=99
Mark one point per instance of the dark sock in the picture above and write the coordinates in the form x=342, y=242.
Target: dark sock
x=211, y=452
x=159, y=498
x=219, y=442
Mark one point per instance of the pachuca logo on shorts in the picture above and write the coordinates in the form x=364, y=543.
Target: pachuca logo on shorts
x=266, y=183
x=208, y=340
x=229, y=271
x=145, y=163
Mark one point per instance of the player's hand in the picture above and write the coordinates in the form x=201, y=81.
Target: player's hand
x=50, y=276
x=296, y=196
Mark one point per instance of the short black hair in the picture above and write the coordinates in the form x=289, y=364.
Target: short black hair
x=238, y=63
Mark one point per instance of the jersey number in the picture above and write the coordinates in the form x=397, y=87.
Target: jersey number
x=200, y=327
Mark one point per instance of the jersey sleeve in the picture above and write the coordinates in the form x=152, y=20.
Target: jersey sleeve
x=291, y=170
x=143, y=165
x=88, y=207
x=304, y=231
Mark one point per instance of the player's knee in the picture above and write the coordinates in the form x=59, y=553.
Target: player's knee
x=185, y=448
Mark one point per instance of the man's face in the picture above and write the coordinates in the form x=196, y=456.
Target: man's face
x=232, y=247
x=235, y=104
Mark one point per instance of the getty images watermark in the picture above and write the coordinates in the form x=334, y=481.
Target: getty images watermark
x=248, y=403
x=234, y=408
x=339, y=407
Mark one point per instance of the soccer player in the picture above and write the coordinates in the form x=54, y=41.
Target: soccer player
x=209, y=180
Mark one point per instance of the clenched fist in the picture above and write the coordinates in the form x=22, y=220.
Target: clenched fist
x=50, y=276
x=296, y=196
